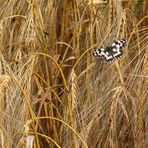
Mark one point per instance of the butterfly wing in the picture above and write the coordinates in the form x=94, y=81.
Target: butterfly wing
x=119, y=43
x=104, y=53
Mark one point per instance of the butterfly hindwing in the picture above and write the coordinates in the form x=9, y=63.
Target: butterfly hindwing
x=111, y=52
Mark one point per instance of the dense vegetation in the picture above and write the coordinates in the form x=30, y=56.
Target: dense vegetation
x=54, y=93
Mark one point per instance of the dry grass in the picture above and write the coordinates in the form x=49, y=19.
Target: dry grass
x=54, y=93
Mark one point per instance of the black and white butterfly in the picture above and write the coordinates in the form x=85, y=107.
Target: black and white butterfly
x=112, y=52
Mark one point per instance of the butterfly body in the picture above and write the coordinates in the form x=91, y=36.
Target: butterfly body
x=111, y=52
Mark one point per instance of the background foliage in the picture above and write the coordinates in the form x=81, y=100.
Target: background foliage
x=54, y=93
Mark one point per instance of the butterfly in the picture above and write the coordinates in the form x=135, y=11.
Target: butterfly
x=112, y=52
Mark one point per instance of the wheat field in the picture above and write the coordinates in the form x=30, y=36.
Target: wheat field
x=54, y=93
